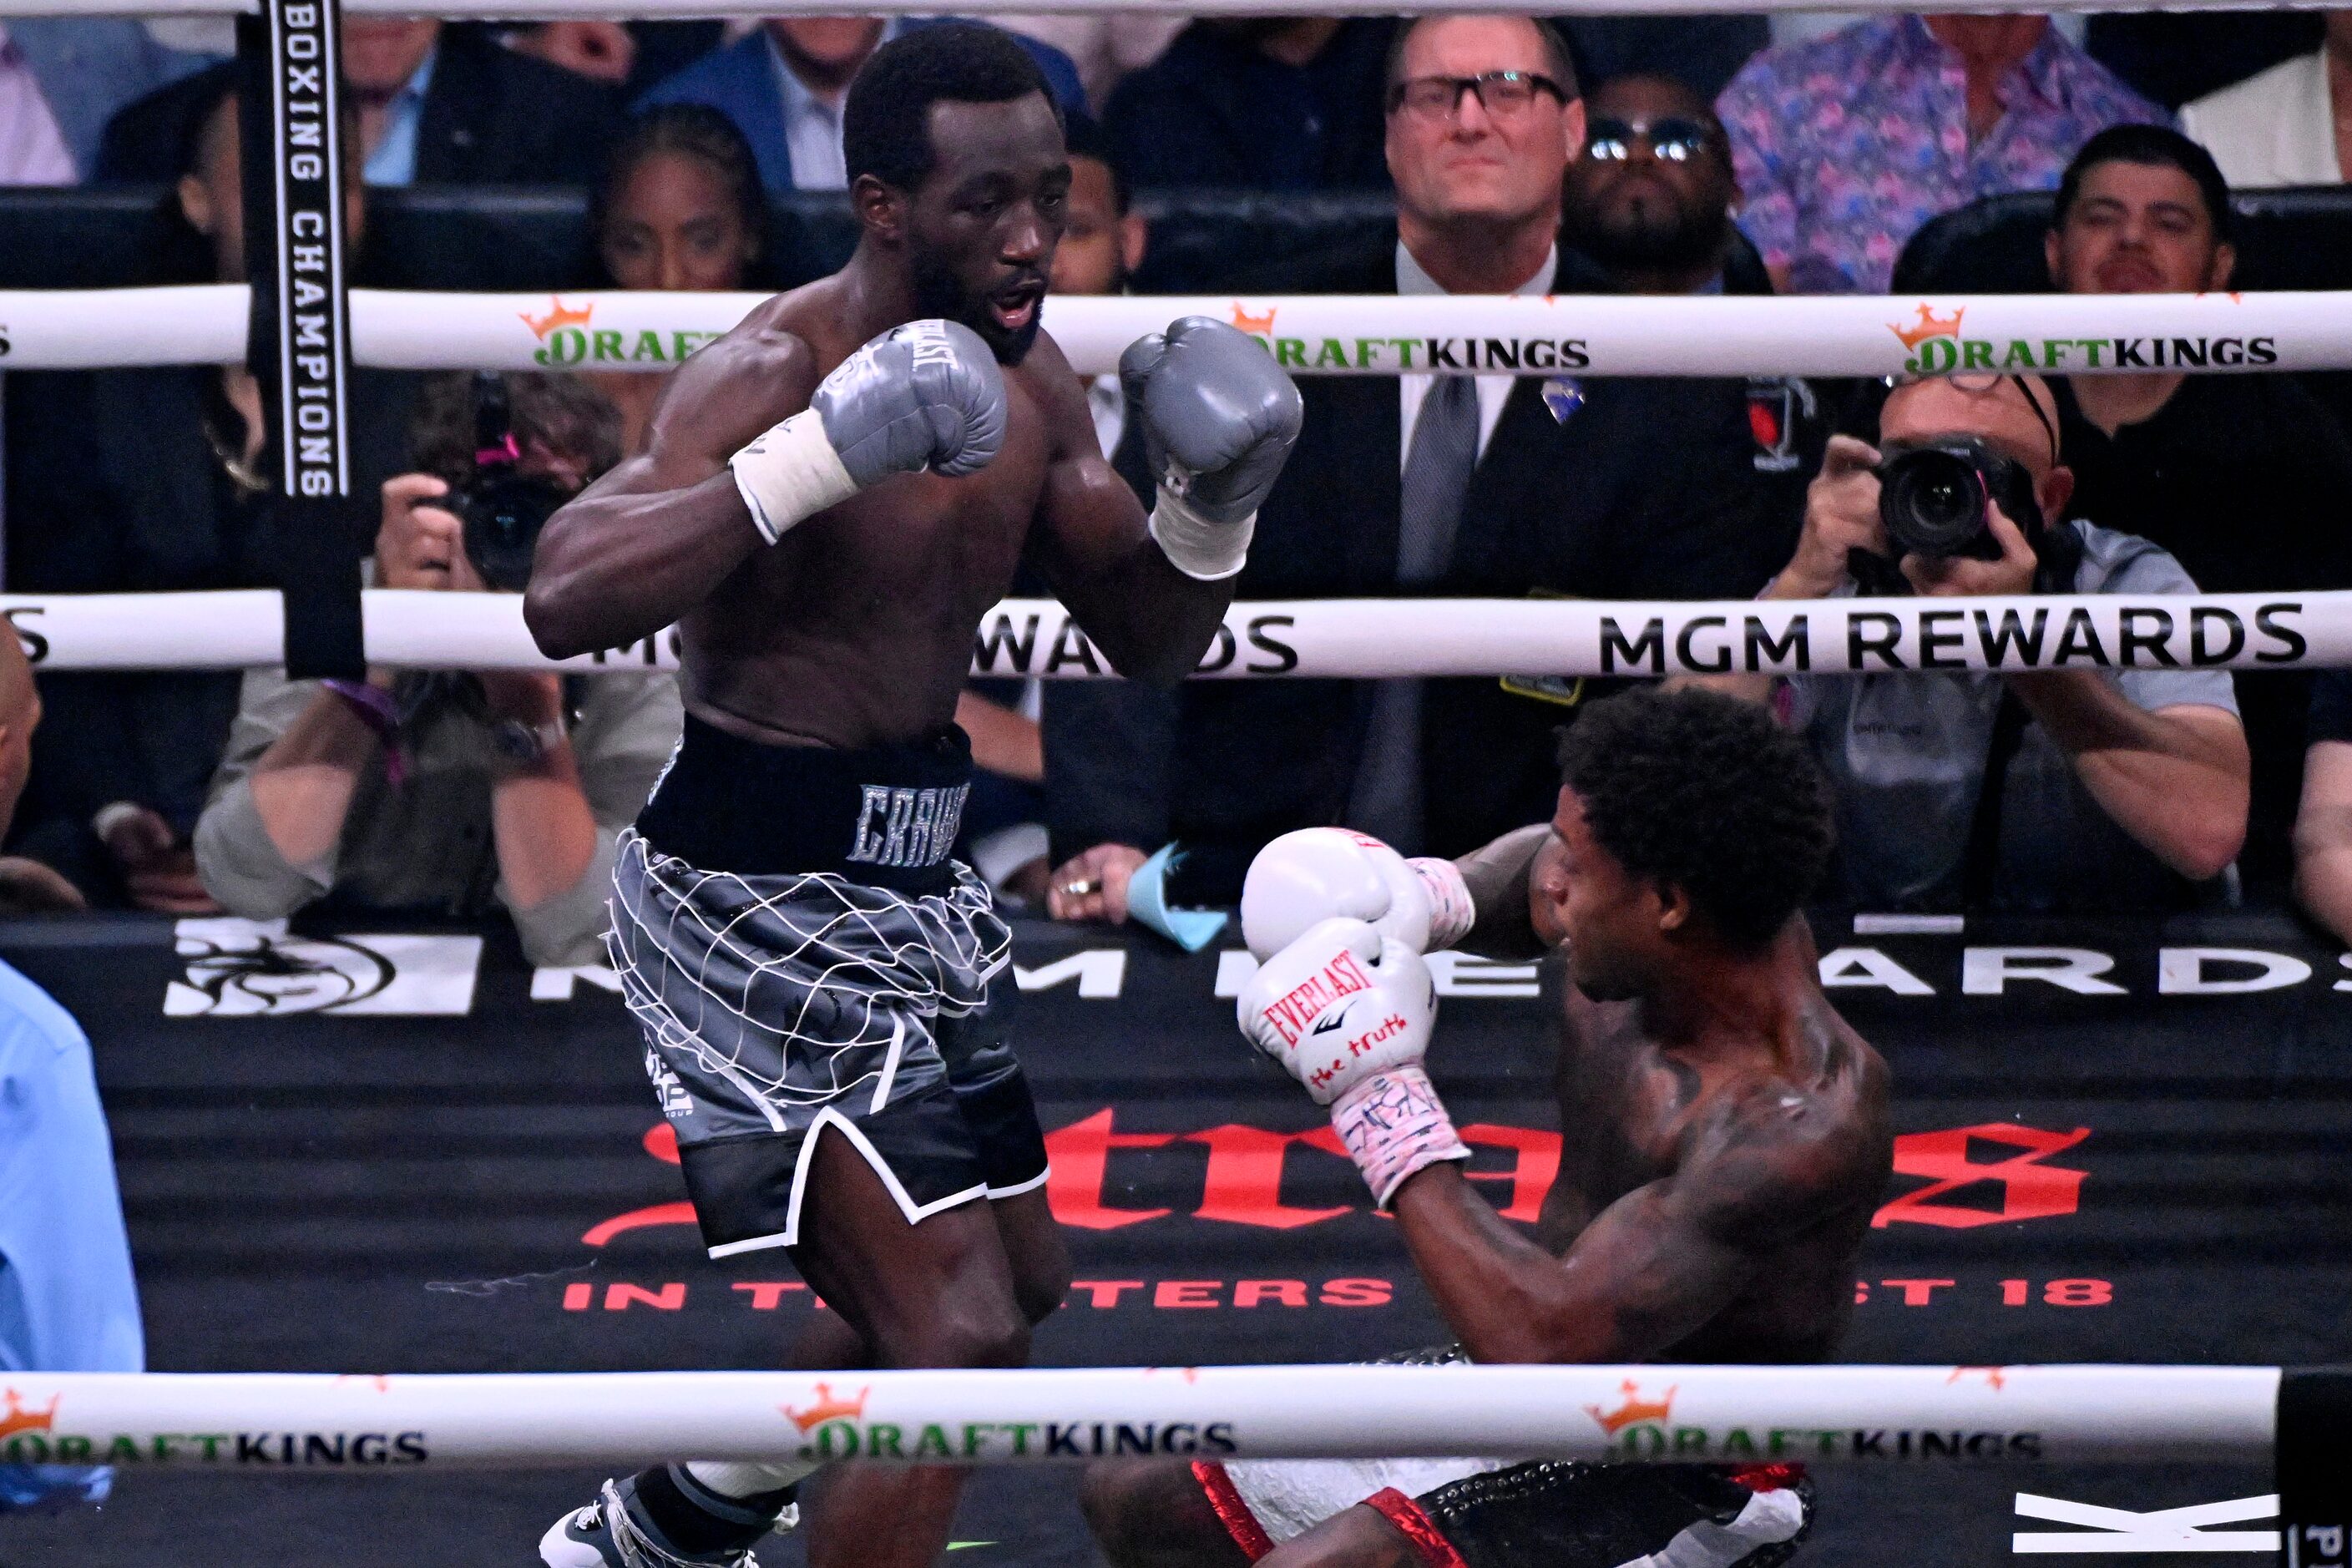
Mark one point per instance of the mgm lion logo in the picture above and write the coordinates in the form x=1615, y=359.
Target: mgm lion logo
x=249, y=969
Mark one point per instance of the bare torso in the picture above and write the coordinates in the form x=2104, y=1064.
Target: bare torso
x=857, y=627
x=1631, y=1113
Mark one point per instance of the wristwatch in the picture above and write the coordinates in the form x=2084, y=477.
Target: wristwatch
x=525, y=744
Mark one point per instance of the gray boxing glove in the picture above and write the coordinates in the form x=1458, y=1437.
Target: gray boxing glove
x=1219, y=419
x=927, y=395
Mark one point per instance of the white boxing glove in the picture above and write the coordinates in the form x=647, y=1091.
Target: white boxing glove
x=1347, y=1013
x=1319, y=873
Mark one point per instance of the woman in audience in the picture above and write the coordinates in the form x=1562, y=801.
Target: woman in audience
x=680, y=207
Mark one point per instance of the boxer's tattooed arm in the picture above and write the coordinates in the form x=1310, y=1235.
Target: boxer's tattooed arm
x=653, y=538
x=1499, y=878
x=1655, y=1267
x=1094, y=551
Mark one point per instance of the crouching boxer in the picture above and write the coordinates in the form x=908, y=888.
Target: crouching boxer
x=833, y=495
x=1726, y=1139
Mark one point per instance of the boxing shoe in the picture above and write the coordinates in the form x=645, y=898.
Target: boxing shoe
x=607, y=1534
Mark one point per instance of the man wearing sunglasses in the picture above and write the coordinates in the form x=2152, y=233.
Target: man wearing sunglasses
x=1502, y=480
x=1650, y=201
x=2074, y=788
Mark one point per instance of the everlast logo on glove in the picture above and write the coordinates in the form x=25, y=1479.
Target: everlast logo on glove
x=1290, y=1013
x=908, y=826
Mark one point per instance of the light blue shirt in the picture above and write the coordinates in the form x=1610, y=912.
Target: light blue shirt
x=67, y=1303
x=394, y=162
x=813, y=126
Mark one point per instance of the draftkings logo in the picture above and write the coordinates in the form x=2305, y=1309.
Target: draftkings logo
x=1938, y=347
x=569, y=337
x=1419, y=354
x=1643, y=1425
x=236, y=968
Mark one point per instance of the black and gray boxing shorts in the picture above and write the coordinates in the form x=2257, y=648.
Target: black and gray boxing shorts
x=800, y=951
x=1498, y=1513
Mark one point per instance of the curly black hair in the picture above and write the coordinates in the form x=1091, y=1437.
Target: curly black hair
x=886, y=125
x=1703, y=792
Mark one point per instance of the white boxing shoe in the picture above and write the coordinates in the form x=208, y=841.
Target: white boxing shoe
x=605, y=1534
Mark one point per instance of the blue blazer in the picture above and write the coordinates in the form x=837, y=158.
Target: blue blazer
x=740, y=81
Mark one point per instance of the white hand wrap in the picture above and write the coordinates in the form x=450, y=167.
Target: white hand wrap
x=789, y=474
x=1451, y=912
x=1394, y=1124
x=1210, y=551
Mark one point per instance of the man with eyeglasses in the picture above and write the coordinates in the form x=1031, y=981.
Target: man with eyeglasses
x=1500, y=483
x=2078, y=788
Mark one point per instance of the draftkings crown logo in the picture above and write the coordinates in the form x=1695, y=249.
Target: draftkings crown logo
x=829, y=1406
x=19, y=1419
x=1635, y=1411
x=1257, y=326
x=558, y=316
x=1929, y=325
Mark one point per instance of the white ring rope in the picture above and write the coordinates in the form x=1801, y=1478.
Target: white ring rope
x=497, y=10
x=1868, y=335
x=1342, y=639
x=270, y=1422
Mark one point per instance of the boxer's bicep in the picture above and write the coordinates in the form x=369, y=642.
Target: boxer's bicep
x=650, y=539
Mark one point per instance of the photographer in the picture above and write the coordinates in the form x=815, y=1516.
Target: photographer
x=2057, y=789
x=444, y=791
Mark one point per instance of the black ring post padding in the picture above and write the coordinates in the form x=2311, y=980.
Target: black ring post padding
x=291, y=131
x=2315, y=1465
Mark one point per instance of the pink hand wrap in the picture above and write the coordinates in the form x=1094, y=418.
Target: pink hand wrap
x=1394, y=1124
x=1451, y=913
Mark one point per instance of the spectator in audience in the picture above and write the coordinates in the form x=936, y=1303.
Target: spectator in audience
x=2242, y=478
x=783, y=84
x=446, y=790
x=1649, y=202
x=1844, y=145
x=2289, y=125
x=32, y=149
x=157, y=480
x=67, y=1301
x=1285, y=103
x=2077, y=789
x=437, y=105
x=1103, y=47
x=1487, y=484
x=680, y=207
x=90, y=67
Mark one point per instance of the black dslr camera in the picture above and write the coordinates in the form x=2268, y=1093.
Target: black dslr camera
x=503, y=511
x=1933, y=499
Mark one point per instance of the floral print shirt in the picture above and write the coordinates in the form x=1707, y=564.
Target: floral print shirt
x=1844, y=145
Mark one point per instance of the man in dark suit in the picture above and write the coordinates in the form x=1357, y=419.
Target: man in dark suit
x=438, y=104
x=1488, y=485
x=783, y=84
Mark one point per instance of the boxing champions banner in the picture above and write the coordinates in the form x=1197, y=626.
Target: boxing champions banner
x=1350, y=638
x=1567, y=336
x=290, y=103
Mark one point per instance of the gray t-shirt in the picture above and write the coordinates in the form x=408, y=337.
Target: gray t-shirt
x=1907, y=753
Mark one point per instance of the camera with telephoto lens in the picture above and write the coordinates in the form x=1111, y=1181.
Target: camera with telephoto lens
x=1933, y=499
x=502, y=510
